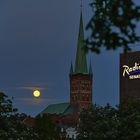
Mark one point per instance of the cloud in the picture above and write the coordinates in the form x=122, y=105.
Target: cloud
x=32, y=88
x=31, y=100
x=36, y=101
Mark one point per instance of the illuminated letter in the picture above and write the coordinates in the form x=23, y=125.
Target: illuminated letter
x=135, y=67
x=126, y=70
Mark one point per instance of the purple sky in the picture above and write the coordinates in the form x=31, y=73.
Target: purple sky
x=38, y=40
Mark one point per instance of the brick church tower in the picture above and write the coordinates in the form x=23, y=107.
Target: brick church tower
x=80, y=76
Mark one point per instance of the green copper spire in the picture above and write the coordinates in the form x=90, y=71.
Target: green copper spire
x=81, y=62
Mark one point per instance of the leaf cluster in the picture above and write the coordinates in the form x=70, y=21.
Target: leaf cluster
x=11, y=126
x=113, y=25
x=115, y=123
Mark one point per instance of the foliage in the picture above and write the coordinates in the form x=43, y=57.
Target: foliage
x=113, y=25
x=115, y=123
x=11, y=127
x=130, y=120
x=98, y=123
x=45, y=128
x=6, y=108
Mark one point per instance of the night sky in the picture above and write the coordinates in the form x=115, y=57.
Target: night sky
x=38, y=41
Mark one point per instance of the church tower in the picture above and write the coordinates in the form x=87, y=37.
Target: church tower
x=80, y=75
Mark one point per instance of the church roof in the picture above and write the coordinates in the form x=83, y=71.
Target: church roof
x=70, y=110
x=59, y=109
x=81, y=61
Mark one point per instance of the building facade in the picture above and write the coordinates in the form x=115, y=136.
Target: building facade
x=130, y=76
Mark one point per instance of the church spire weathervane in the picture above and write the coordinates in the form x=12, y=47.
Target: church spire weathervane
x=81, y=5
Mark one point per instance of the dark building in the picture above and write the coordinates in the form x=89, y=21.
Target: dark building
x=81, y=77
x=130, y=76
x=66, y=115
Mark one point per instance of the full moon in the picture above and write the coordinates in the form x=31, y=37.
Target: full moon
x=36, y=93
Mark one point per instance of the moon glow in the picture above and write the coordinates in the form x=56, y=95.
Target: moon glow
x=36, y=93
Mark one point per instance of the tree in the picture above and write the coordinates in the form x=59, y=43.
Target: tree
x=11, y=127
x=115, y=123
x=113, y=25
x=98, y=123
x=129, y=116
x=46, y=128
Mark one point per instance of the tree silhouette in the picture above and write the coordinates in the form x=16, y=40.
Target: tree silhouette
x=113, y=25
x=11, y=125
x=110, y=123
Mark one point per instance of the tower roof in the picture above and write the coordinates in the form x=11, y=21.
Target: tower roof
x=81, y=62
